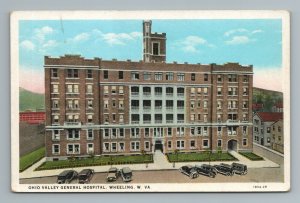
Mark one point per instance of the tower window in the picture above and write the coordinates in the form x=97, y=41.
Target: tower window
x=155, y=48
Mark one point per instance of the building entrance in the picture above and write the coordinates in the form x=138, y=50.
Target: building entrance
x=232, y=145
x=158, y=145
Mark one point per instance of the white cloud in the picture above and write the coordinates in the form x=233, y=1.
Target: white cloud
x=40, y=33
x=231, y=32
x=238, y=40
x=256, y=31
x=81, y=37
x=191, y=43
x=28, y=45
x=50, y=44
x=120, y=38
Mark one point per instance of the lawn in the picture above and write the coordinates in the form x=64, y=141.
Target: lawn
x=251, y=156
x=29, y=159
x=202, y=156
x=96, y=161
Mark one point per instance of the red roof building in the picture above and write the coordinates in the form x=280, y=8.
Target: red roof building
x=270, y=116
x=257, y=107
x=32, y=117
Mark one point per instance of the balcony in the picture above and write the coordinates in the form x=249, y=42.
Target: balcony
x=72, y=123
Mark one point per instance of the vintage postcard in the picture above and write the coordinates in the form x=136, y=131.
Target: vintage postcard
x=150, y=101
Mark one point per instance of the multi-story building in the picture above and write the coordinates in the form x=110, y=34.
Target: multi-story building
x=262, y=127
x=277, y=141
x=125, y=107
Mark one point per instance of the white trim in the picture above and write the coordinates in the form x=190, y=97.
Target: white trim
x=58, y=153
x=73, y=148
x=87, y=148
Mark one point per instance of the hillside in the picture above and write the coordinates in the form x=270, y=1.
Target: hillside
x=267, y=97
x=30, y=100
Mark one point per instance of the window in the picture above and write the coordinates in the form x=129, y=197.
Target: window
x=147, y=146
x=55, y=104
x=73, y=134
x=192, y=144
x=245, y=91
x=135, y=146
x=199, y=90
x=219, y=143
x=232, y=91
x=55, y=119
x=105, y=89
x=232, y=78
x=268, y=129
x=106, y=118
x=90, y=148
x=147, y=118
x=279, y=138
x=180, y=91
x=158, y=118
x=135, y=76
x=180, y=144
x=192, y=131
x=193, y=76
x=106, y=133
x=147, y=104
x=147, y=132
x=155, y=48
x=158, y=91
x=121, y=90
x=105, y=74
x=135, y=132
x=135, y=90
x=54, y=88
x=245, y=104
x=192, y=104
x=180, y=118
x=232, y=104
x=199, y=104
x=219, y=78
x=245, y=141
x=169, y=118
x=158, y=76
x=54, y=72
x=89, y=74
x=113, y=133
x=279, y=129
x=219, y=117
x=147, y=91
x=135, y=104
x=89, y=104
x=244, y=130
x=205, y=143
x=219, y=92
x=121, y=104
x=205, y=90
x=72, y=73
x=147, y=76
x=245, y=78
x=169, y=91
x=192, y=91
x=114, y=117
x=121, y=75
x=72, y=89
x=220, y=131
x=205, y=131
x=169, y=144
x=55, y=149
x=121, y=132
x=205, y=77
x=90, y=134
x=232, y=117
x=121, y=146
x=55, y=135
x=199, y=130
x=121, y=118
x=232, y=130
x=106, y=146
x=105, y=104
x=169, y=133
x=180, y=104
x=205, y=104
x=73, y=149
x=113, y=89
x=180, y=77
x=219, y=104
x=169, y=76
x=135, y=118
x=205, y=118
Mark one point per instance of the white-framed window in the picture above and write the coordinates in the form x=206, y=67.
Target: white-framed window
x=245, y=130
x=113, y=89
x=90, y=134
x=219, y=78
x=113, y=133
x=72, y=73
x=89, y=89
x=121, y=132
x=205, y=90
x=219, y=143
x=199, y=130
x=73, y=148
x=113, y=146
x=106, y=146
x=55, y=88
x=180, y=144
x=106, y=90
x=106, y=133
x=180, y=76
x=205, y=118
x=135, y=75
x=192, y=131
x=180, y=131
x=205, y=143
x=232, y=130
x=147, y=145
x=193, y=116
x=135, y=132
x=219, y=130
x=135, y=146
x=55, y=149
x=106, y=118
x=90, y=148
x=245, y=91
x=121, y=90
x=192, y=144
x=245, y=104
x=73, y=134
x=193, y=90
x=219, y=91
x=192, y=104
x=121, y=118
x=199, y=90
x=89, y=103
x=121, y=146
x=121, y=104
x=90, y=118
x=147, y=76
x=89, y=74
x=205, y=104
x=232, y=78
x=219, y=104
x=56, y=135
x=158, y=76
x=169, y=133
x=155, y=48
x=55, y=103
x=169, y=76
x=205, y=131
x=72, y=88
x=169, y=143
x=147, y=132
x=219, y=117
x=54, y=73
x=55, y=119
x=105, y=104
x=245, y=142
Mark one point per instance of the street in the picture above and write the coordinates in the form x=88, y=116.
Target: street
x=174, y=176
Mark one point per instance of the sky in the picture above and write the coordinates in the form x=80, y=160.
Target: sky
x=247, y=41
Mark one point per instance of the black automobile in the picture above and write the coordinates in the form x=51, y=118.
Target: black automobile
x=113, y=174
x=66, y=176
x=85, y=176
x=126, y=174
x=239, y=169
x=206, y=170
x=224, y=169
x=189, y=171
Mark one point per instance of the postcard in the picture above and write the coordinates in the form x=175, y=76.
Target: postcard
x=150, y=101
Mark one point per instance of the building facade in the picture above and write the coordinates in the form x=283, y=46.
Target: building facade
x=110, y=107
x=32, y=117
x=277, y=140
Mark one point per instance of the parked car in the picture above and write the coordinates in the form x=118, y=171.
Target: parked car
x=113, y=174
x=66, y=176
x=239, y=169
x=224, y=169
x=206, y=170
x=189, y=171
x=85, y=176
x=126, y=174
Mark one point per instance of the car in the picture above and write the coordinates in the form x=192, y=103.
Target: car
x=66, y=176
x=126, y=174
x=224, y=169
x=206, y=170
x=85, y=176
x=239, y=169
x=113, y=174
x=189, y=170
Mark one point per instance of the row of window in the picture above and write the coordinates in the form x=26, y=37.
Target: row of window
x=72, y=73
x=72, y=89
x=72, y=134
x=73, y=149
x=72, y=118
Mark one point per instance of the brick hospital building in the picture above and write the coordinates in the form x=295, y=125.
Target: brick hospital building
x=101, y=107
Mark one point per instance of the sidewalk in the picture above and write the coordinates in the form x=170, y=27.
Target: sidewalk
x=160, y=163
